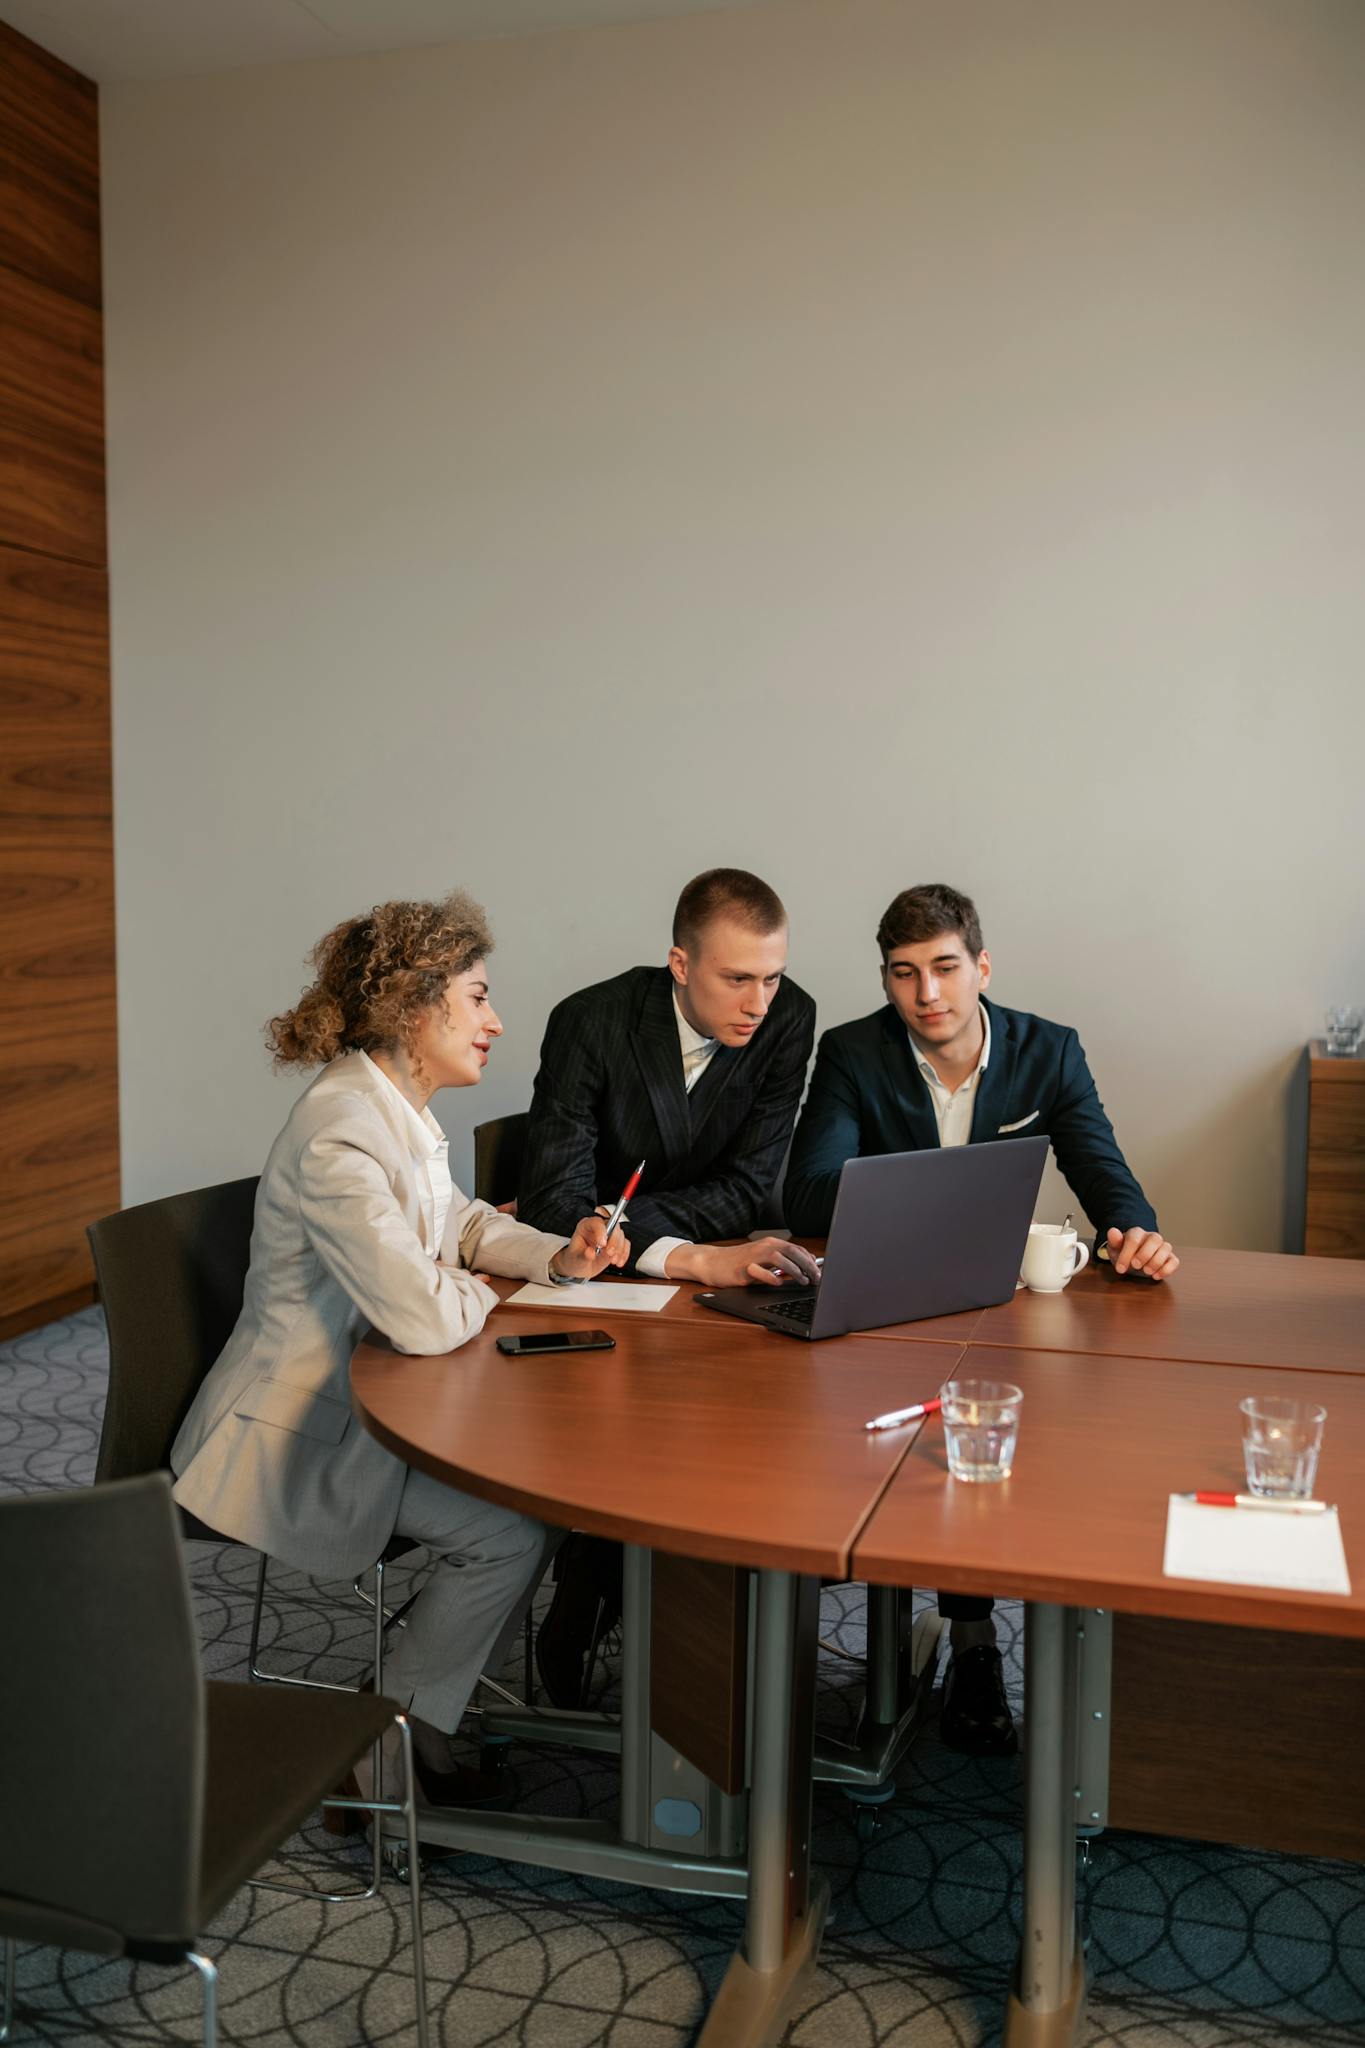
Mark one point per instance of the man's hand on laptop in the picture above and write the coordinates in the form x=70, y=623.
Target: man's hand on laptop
x=771, y=1261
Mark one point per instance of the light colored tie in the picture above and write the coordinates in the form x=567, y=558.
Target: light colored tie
x=694, y=1061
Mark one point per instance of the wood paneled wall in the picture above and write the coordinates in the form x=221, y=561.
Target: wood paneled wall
x=58, y=1053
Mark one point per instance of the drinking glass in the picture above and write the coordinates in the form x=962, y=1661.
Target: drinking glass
x=981, y=1428
x=1343, y=1029
x=1280, y=1442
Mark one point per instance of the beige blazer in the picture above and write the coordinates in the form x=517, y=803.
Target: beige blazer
x=270, y=1453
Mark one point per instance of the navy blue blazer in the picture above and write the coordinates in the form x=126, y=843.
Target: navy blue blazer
x=867, y=1096
x=610, y=1092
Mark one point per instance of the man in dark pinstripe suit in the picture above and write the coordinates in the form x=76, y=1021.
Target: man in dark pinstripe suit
x=697, y=1067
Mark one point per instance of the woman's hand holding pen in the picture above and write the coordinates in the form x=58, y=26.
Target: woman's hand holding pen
x=590, y=1251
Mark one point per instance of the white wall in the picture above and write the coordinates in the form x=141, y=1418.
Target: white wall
x=871, y=441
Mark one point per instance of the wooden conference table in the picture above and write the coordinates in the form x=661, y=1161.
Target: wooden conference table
x=699, y=1437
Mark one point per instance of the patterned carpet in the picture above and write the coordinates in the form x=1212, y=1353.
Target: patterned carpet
x=1188, y=1944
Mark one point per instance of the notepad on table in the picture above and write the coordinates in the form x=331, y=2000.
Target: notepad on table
x=604, y=1297
x=1254, y=1547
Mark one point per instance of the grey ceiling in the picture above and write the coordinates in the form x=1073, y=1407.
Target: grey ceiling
x=122, y=39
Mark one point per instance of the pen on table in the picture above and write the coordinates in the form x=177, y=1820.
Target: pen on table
x=1257, y=1500
x=627, y=1191
x=900, y=1415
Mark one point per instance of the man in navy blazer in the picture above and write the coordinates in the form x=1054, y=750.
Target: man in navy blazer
x=939, y=1065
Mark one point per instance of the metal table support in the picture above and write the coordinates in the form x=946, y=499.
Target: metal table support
x=1046, y=2006
x=866, y=1767
x=632, y=1851
x=786, y=1915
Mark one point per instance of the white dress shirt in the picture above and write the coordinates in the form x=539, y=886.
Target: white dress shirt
x=697, y=1053
x=431, y=1150
x=953, y=1106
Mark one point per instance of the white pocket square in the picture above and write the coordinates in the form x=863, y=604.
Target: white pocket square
x=1006, y=1128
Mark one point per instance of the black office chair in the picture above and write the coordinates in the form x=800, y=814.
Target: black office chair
x=146, y=1797
x=171, y=1278
x=499, y=1146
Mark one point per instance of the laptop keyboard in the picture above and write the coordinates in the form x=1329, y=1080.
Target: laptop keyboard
x=799, y=1310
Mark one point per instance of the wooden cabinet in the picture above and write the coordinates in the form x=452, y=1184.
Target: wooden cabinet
x=1334, y=1217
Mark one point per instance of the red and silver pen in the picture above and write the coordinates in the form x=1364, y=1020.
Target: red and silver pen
x=627, y=1191
x=1257, y=1500
x=900, y=1415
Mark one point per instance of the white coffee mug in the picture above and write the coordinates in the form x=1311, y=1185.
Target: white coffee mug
x=1052, y=1257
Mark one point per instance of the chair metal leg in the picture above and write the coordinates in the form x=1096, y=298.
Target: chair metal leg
x=208, y=1977
x=7, y=1997
x=394, y=1617
x=419, y=1961
x=406, y=1807
x=377, y=1753
x=254, y=1670
x=256, y=1606
x=296, y=1891
x=594, y=1640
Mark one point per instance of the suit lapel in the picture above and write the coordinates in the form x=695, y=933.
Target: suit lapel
x=654, y=1041
x=351, y=1073
x=915, y=1110
x=993, y=1093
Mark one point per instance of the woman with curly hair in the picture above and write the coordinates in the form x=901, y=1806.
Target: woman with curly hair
x=357, y=1223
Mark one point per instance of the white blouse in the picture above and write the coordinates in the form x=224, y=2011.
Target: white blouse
x=431, y=1150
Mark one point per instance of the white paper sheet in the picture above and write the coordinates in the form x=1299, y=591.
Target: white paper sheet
x=1251, y=1547
x=603, y=1297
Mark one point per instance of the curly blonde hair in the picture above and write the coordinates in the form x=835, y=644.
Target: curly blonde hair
x=376, y=975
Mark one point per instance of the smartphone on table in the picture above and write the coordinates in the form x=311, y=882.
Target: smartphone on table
x=536, y=1341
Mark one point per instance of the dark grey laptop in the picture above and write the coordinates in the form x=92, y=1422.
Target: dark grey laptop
x=913, y=1234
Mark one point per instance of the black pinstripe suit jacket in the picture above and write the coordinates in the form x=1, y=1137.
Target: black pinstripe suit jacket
x=610, y=1092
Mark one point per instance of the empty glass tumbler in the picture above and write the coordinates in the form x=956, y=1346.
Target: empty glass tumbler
x=981, y=1428
x=1345, y=1023
x=1280, y=1441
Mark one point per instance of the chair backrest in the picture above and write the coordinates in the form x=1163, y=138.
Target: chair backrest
x=498, y=1149
x=101, y=1720
x=171, y=1277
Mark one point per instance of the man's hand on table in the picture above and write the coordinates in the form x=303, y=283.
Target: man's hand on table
x=1145, y=1251
x=770, y=1261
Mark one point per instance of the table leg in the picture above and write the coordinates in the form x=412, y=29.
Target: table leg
x=636, y=1620
x=785, y=1915
x=1046, y=2006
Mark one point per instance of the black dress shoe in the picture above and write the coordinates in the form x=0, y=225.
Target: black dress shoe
x=462, y=1785
x=975, y=1716
x=587, y=1602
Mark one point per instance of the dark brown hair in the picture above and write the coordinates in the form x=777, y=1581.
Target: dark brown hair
x=923, y=912
x=375, y=975
x=726, y=892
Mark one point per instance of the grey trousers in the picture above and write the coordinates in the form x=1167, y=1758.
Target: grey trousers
x=489, y=1563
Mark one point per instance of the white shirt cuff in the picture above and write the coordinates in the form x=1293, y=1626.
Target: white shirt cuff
x=651, y=1262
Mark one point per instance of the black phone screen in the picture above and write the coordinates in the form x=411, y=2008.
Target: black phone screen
x=556, y=1340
